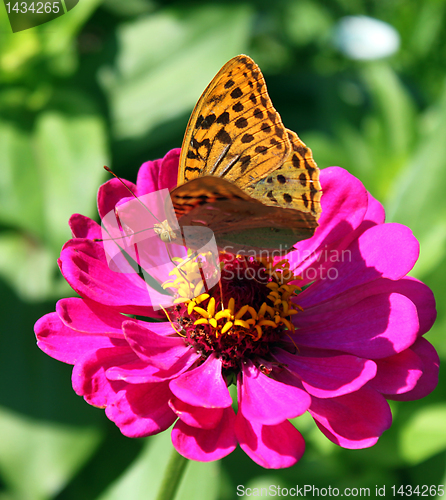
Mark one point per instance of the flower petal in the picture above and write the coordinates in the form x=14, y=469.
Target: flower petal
x=352, y=421
x=429, y=379
x=83, y=267
x=328, y=377
x=202, y=418
x=398, y=373
x=203, y=386
x=344, y=204
x=382, y=251
x=84, y=315
x=159, y=174
x=111, y=192
x=89, y=378
x=66, y=344
x=270, y=446
x=84, y=227
x=142, y=410
x=265, y=400
x=160, y=351
x=377, y=327
x=206, y=445
x=422, y=297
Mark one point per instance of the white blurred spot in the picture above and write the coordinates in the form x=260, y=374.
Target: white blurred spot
x=362, y=37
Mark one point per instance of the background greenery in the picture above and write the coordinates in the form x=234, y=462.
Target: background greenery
x=113, y=82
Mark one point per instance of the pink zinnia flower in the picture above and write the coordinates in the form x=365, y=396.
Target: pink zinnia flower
x=338, y=349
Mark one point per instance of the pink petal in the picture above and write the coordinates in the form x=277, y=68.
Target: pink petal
x=169, y=360
x=397, y=374
x=84, y=227
x=142, y=410
x=328, y=377
x=429, y=380
x=382, y=251
x=264, y=400
x=352, y=421
x=160, y=351
x=65, y=344
x=377, y=327
x=111, y=192
x=270, y=446
x=89, y=378
x=206, y=445
x=85, y=315
x=159, y=174
x=344, y=204
x=375, y=211
x=315, y=304
x=203, y=386
x=83, y=267
x=203, y=418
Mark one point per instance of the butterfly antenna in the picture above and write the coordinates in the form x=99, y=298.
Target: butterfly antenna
x=170, y=321
x=121, y=237
x=131, y=192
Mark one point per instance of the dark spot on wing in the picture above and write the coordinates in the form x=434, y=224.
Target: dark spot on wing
x=229, y=84
x=303, y=179
x=266, y=127
x=247, y=138
x=244, y=162
x=208, y=121
x=191, y=155
x=261, y=150
x=258, y=113
x=238, y=106
x=253, y=98
x=223, y=118
x=281, y=179
x=305, y=200
x=287, y=198
x=241, y=123
x=295, y=161
x=223, y=136
x=236, y=93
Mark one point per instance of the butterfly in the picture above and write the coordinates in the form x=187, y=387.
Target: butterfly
x=242, y=174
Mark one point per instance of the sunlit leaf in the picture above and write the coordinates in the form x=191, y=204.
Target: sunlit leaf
x=38, y=458
x=424, y=435
x=166, y=60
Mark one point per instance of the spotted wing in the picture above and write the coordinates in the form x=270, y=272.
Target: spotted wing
x=293, y=185
x=234, y=131
x=239, y=222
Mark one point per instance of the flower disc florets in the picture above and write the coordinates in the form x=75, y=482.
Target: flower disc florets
x=242, y=318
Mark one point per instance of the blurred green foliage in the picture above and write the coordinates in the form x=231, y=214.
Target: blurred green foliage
x=113, y=82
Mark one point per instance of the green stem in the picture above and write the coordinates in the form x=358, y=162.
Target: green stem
x=172, y=476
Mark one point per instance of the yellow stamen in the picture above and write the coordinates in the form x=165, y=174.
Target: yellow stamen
x=240, y=322
x=227, y=327
x=201, y=311
x=211, y=307
x=201, y=321
x=242, y=311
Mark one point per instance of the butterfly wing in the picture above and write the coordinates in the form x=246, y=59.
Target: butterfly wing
x=234, y=131
x=295, y=184
x=239, y=222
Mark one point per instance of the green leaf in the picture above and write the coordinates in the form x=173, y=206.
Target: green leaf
x=21, y=197
x=38, y=458
x=424, y=435
x=418, y=198
x=71, y=153
x=29, y=268
x=165, y=62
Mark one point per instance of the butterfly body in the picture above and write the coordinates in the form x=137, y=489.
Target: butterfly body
x=242, y=174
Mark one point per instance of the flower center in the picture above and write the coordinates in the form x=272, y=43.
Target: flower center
x=243, y=316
